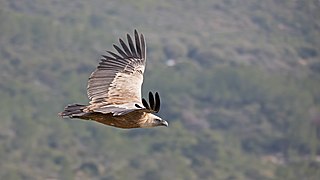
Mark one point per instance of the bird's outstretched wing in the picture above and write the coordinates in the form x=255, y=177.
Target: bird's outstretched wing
x=115, y=86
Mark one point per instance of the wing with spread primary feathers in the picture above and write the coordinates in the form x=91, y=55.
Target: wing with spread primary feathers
x=115, y=86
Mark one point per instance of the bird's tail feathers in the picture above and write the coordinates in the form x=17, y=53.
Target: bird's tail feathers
x=73, y=111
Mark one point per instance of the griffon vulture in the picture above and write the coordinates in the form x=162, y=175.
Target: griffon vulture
x=114, y=90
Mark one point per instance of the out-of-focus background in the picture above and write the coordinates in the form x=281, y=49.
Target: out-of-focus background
x=239, y=81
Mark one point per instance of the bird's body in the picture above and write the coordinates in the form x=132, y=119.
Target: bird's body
x=127, y=121
x=114, y=89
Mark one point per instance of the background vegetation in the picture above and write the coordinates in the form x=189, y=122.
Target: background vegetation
x=239, y=81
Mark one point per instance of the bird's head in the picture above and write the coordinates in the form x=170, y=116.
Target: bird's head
x=154, y=121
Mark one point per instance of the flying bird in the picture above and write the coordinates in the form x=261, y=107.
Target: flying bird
x=114, y=90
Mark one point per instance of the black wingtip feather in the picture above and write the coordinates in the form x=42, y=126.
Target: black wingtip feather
x=136, y=32
x=125, y=48
x=143, y=47
x=145, y=104
x=157, y=99
x=137, y=39
x=123, y=54
x=138, y=106
x=131, y=45
x=151, y=100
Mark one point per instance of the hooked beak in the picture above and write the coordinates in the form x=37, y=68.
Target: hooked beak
x=164, y=123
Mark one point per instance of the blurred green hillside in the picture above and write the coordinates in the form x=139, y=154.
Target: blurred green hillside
x=239, y=82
